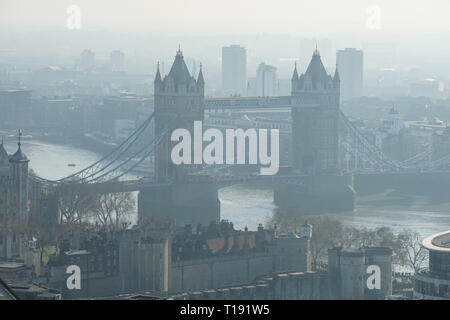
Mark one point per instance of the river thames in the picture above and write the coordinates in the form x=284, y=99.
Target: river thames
x=252, y=205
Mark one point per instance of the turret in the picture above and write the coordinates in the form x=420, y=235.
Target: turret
x=19, y=176
x=200, y=80
x=4, y=158
x=306, y=231
x=294, y=79
x=158, y=80
x=337, y=79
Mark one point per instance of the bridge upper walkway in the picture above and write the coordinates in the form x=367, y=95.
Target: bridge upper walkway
x=138, y=147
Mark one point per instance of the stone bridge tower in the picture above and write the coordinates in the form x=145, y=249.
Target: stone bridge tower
x=177, y=94
x=315, y=119
x=315, y=144
x=190, y=199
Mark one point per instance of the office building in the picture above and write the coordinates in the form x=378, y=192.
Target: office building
x=266, y=83
x=234, y=69
x=434, y=282
x=350, y=64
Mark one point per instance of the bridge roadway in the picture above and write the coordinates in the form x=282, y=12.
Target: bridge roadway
x=219, y=180
x=239, y=103
x=251, y=102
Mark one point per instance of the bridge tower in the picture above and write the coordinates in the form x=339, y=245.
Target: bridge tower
x=315, y=144
x=315, y=118
x=187, y=199
x=178, y=94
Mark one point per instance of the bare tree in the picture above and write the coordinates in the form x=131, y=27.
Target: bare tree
x=286, y=220
x=76, y=201
x=326, y=234
x=411, y=254
x=113, y=210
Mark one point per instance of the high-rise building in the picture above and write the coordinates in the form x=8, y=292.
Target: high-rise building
x=87, y=60
x=234, y=69
x=117, y=60
x=266, y=81
x=350, y=63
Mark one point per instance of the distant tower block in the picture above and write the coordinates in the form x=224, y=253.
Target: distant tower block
x=234, y=69
x=350, y=62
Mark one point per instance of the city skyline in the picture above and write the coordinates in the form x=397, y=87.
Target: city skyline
x=224, y=150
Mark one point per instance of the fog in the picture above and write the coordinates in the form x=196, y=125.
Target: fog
x=293, y=147
x=417, y=31
x=239, y=17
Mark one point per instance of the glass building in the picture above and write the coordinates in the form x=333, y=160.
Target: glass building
x=434, y=281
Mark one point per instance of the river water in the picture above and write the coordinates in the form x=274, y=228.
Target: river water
x=251, y=205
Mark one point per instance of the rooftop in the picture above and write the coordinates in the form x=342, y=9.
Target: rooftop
x=19, y=156
x=76, y=252
x=438, y=242
x=11, y=265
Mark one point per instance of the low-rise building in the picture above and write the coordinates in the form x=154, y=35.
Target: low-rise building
x=434, y=282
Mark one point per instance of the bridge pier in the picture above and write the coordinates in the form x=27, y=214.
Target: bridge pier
x=185, y=202
x=319, y=194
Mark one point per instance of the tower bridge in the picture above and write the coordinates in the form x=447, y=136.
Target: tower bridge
x=327, y=150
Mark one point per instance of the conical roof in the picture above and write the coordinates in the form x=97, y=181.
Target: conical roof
x=19, y=156
x=179, y=71
x=3, y=153
x=295, y=75
x=316, y=71
x=158, y=76
x=200, y=79
x=336, y=77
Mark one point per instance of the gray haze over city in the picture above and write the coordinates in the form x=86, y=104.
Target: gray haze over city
x=356, y=92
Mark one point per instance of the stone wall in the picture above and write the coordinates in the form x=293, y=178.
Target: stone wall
x=285, y=255
x=218, y=272
x=283, y=286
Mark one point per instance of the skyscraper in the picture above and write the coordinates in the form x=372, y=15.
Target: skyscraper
x=87, y=60
x=350, y=64
x=117, y=60
x=234, y=69
x=266, y=81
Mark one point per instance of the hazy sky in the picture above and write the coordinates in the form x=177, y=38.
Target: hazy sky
x=211, y=17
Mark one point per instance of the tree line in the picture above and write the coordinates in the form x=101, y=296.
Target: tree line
x=329, y=232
